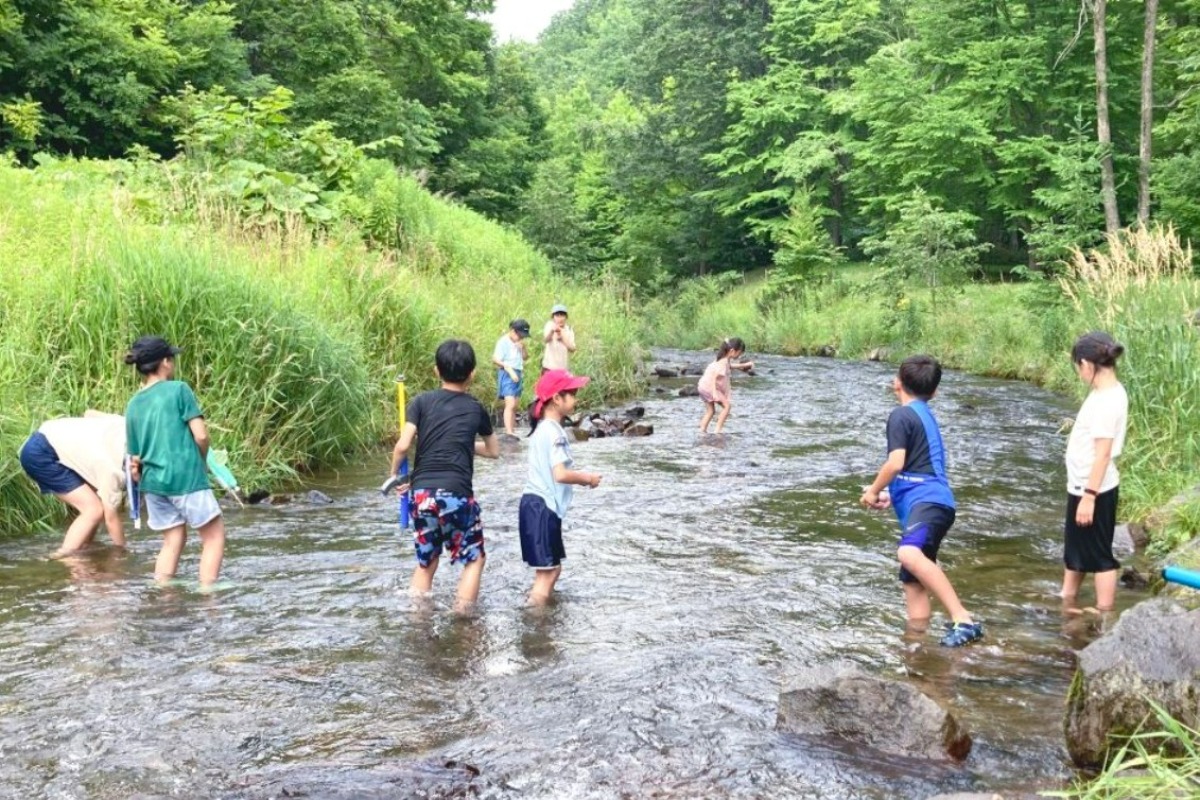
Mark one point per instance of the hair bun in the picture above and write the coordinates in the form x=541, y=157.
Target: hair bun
x=130, y=358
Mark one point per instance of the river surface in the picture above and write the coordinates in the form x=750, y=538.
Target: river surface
x=698, y=575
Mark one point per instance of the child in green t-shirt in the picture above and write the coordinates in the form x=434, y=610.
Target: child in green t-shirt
x=168, y=443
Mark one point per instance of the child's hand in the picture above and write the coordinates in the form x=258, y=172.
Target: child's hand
x=135, y=468
x=402, y=488
x=875, y=500
x=593, y=480
x=512, y=374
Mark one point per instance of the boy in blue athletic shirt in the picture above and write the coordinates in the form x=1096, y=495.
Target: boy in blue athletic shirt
x=913, y=482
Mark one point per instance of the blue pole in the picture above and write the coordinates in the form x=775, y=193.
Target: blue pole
x=134, y=497
x=1184, y=577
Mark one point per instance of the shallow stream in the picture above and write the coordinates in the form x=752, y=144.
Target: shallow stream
x=698, y=575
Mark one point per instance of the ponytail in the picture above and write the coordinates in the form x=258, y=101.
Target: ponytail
x=536, y=410
x=729, y=345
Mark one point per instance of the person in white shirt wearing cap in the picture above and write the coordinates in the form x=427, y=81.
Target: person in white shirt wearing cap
x=559, y=339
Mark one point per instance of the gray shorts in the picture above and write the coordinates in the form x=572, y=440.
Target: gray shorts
x=194, y=509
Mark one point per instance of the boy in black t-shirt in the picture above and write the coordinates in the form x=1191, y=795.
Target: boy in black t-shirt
x=445, y=422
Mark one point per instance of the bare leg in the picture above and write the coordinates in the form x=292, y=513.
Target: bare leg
x=1106, y=589
x=91, y=511
x=724, y=415
x=709, y=410
x=422, y=579
x=168, y=557
x=932, y=578
x=543, y=585
x=916, y=600
x=510, y=415
x=212, y=549
x=468, y=585
x=1070, y=586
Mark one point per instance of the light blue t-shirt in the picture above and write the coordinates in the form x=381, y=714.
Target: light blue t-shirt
x=548, y=447
x=509, y=353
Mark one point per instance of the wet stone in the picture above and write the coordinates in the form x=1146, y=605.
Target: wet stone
x=840, y=701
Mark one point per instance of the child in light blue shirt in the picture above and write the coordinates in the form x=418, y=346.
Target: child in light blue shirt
x=551, y=482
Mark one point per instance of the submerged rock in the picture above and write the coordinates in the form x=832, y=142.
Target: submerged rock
x=842, y=701
x=1152, y=654
x=666, y=372
x=689, y=391
x=640, y=429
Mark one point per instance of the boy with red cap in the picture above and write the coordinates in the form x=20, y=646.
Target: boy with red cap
x=552, y=477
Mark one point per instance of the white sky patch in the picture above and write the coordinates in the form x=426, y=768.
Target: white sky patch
x=524, y=19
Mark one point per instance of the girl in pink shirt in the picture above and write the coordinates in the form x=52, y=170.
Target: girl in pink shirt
x=714, y=386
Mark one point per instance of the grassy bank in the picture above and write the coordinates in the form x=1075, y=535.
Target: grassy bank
x=292, y=341
x=1142, y=289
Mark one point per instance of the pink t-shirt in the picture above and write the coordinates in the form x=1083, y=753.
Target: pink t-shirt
x=714, y=383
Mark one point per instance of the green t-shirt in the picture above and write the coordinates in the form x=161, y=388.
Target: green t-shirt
x=156, y=427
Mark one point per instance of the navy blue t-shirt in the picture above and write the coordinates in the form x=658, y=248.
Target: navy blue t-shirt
x=447, y=423
x=906, y=432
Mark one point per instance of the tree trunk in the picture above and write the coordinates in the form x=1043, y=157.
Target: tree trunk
x=1108, y=182
x=1147, y=113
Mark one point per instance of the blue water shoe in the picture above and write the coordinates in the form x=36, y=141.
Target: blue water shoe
x=962, y=633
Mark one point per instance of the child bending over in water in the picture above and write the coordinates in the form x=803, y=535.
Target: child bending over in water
x=714, y=386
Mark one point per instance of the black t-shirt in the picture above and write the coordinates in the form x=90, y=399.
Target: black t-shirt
x=906, y=432
x=447, y=424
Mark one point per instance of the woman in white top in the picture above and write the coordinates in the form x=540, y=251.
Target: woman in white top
x=1097, y=438
x=81, y=461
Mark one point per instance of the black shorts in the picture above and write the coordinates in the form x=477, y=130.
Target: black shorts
x=928, y=524
x=541, y=533
x=1089, y=549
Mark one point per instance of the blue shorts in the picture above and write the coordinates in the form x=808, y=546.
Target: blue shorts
x=40, y=462
x=928, y=524
x=445, y=520
x=506, y=387
x=541, y=533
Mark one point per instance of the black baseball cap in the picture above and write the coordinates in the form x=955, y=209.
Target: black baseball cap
x=148, y=349
x=520, y=326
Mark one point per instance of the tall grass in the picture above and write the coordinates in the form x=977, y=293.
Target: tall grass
x=292, y=342
x=1162, y=763
x=1140, y=287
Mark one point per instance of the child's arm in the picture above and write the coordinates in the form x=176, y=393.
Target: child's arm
x=744, y=366
x=890, y=469
x=576, y=477
x=499, y=362
x=403, y=445
x=1087, y=503
x=488, y=447
x=568, y=338
x=200, y=434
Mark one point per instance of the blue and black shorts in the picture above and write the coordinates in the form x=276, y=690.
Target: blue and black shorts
x=541, y=533
x=928, y=524
x=445, y=520
x=40, y=461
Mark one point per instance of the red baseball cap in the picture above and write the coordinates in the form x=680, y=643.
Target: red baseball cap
x=558, y=380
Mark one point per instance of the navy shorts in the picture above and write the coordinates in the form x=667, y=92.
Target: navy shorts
x=1090, y=549
x=541, y=533
x=40, y=462
x=928, y=524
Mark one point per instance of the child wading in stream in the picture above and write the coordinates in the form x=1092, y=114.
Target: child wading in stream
x=552, y=476
x=715, y=387
x=917, y=489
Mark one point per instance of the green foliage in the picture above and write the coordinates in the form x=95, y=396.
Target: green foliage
x=1072, y=218
x=805, y=255
x=928, y=244
x=293, y=341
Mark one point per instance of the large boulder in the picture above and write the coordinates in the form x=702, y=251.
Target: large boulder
x=842, y=701
x=1152, y=654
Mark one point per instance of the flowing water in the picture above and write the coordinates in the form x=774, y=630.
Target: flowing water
x=698, y=575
